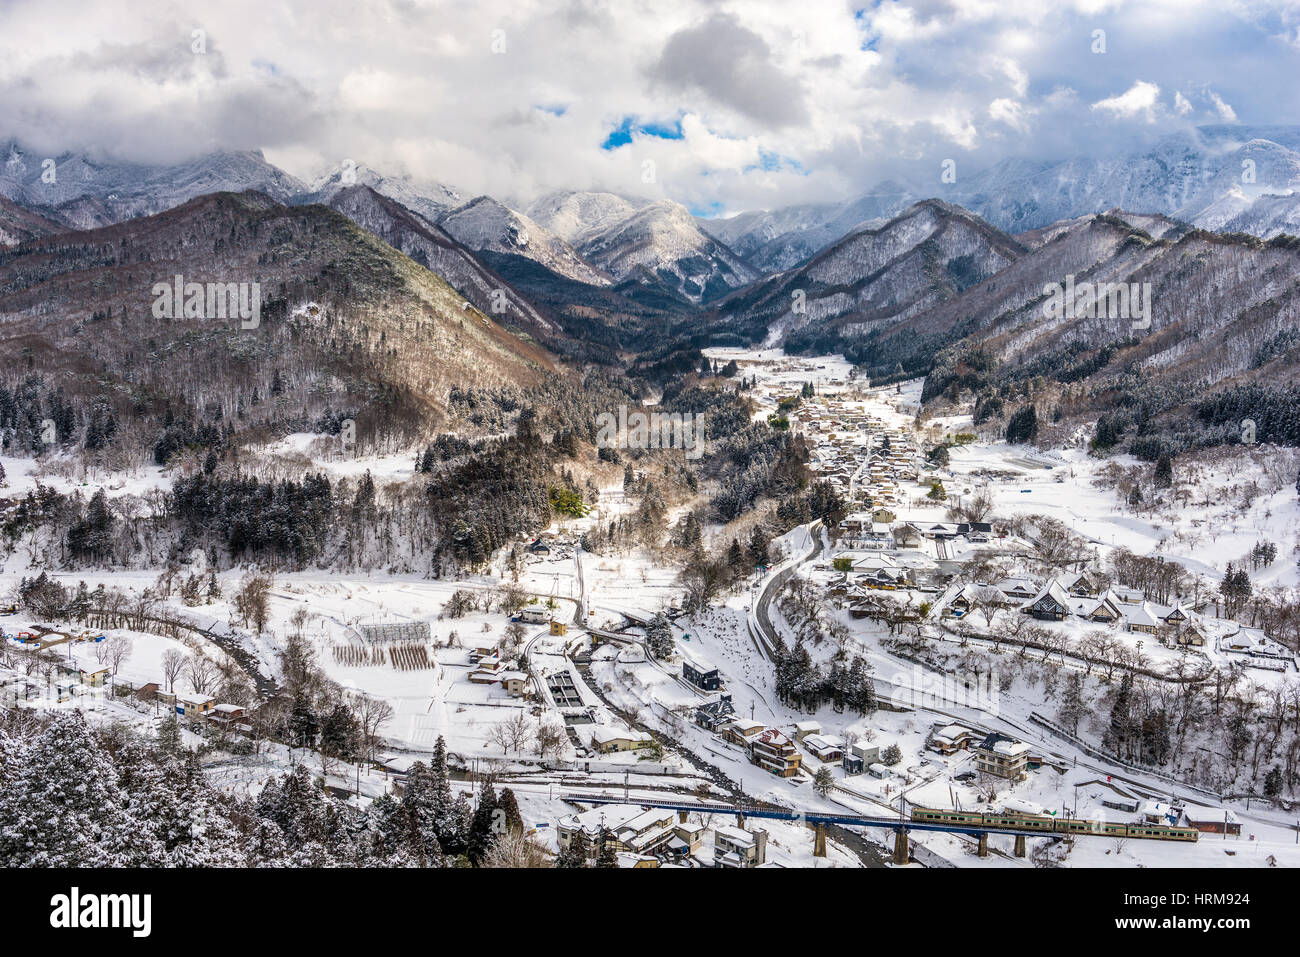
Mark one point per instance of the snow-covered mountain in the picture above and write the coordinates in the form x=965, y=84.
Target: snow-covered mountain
x=429, y=198
x=485, y=224
x=1209, y=177
x=19, y=224
x=661, y=243
x=576, y=214
x=775, y=240
x=432, y=248
x=84, y=193
x=1204, y=177
x=928, y=254
x=643, y=240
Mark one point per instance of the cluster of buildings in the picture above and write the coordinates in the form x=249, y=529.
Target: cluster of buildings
x=766, y=747
x=1081, y=595
x=865, y=460
x=648, y=837
x=486, y=668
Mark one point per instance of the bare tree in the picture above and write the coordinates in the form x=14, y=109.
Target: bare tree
x=500, y=734
x=202, y=673
x=119, y=649
x=252, y=601
x=173, y=663
x=100, y=651
x=372, y=713
x=520, y=730
x=516, y=849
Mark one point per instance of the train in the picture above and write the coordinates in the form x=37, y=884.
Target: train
x=1054, y=825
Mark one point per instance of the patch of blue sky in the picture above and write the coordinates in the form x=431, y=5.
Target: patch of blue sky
x=622, y=134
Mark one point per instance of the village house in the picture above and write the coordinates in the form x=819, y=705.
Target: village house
x=627, y=827
x=194, y=704
x=1140, y=618
x=1212, y=820
x=230, y=717
x=907, y=535
x=1189, y=635
x=1002, y=756
x=868, y=752
x=951, y=738
x=713, y=714
x=699, y=672
x=804, y=728
x=608, y=740
x=1080, y=585
x=1050, y=604
x=737, y=847
x=774, y=752
x=515, y=683
x=1158, y=812
x=488, y=670
x=1105, y=610
x=93, y=677
x=823, y=748
x=688, y=837
x=1019, y=589
x=741, y=730
x=1256, y=644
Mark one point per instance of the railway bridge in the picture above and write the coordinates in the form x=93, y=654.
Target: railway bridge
x=818, y=820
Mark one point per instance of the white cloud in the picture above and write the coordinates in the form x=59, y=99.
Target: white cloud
x=1140, y=100
x=1008, y=112
x=805, y=101
x=1224, y=111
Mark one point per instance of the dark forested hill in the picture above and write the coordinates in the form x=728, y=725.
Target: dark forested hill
x=347, y=324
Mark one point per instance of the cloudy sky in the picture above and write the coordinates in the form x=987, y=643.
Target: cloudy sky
x=721, y=105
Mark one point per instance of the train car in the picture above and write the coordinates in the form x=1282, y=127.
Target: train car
x=1052, y=825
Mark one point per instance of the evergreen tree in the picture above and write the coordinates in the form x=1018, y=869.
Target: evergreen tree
x=482, y=830
x=659, y=636
x=63, y=806
x=577, y=853
x=508, y=804
x=340, y=733
x=92, y=537
x=1023, y=425
x=303, y=724
x=606, y=856
x=1119, y=733
x=1073, y=707
x=1273, y=783
x=758, y=547
x=736, y=559
x=1164, y=474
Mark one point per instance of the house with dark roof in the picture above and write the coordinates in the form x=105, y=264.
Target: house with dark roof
x=713, y=714
x=699, y=672
x=1050, y=604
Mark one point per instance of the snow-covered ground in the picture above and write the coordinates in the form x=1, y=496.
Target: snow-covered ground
x=1224, y=509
